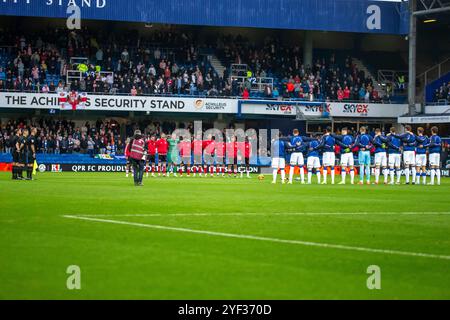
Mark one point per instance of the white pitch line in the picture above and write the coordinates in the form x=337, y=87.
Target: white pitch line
x=259, y=214
x=250, y=237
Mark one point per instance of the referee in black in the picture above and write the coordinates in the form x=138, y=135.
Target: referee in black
x=22, y=148
x=30, y=152
x=15, y=152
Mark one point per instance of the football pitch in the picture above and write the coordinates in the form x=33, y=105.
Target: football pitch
x=221, y=238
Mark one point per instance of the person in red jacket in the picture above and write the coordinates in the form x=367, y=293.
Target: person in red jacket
x=162, y=146
x=245, y=94
x=151, y=155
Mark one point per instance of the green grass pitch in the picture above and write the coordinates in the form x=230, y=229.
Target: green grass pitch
x=203, y=238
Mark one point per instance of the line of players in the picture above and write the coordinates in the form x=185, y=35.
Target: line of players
x=388, y=151
x=23, y=150
x=197, y=156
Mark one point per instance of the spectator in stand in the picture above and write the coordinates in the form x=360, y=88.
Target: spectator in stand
x=245, y=94
x=347, y=93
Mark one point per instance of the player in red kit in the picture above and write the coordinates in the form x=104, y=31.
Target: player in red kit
x=151, y=155
x=197, y=151
x=208, y=155
x=184, y=146
x=220, y=157
x=244, y=153
x=231, y=155
x=162, y=147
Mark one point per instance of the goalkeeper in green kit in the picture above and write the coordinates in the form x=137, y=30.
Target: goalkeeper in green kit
x=173, y=157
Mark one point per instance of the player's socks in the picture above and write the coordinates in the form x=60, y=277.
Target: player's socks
x=291, y=174
x=361, y=173
x=424, y=177
x=318, y=176
x=274, y=175
x=407, y=171
x=386, y=175
x=343, y=175
x=283, y=176
x=29, y=173
x=302, y=174
x=392, y=174
x=352, y=176
x=325, y=174
x=399, y=175
x=14, y=172
x=433, y=174
x=438, y=176
x=20, y=173
x=368, y=174
x=377, y=175
x=332, y=175
x=309, y=176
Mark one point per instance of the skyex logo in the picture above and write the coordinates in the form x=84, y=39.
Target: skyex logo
x=279, y=108
x=361, y=109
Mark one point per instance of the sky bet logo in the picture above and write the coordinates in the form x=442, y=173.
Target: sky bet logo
x=99, y=4
x=361, y=109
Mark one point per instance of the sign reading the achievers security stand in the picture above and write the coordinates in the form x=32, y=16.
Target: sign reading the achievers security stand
x=122, y=103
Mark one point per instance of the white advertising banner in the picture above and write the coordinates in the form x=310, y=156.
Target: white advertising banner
x=437, y=109
x=121, y=103
x=348, y=110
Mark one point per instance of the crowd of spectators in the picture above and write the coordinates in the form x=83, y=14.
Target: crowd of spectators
x=442, y=93
x=171, y=62
x=326, y=79
x=64, y=137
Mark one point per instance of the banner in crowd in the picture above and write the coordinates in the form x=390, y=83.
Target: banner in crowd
x=121, y=103
x=334, y=109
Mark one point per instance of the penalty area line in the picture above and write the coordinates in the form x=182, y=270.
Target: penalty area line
x=259, y=238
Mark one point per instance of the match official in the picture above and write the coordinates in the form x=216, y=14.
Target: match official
x=136, y=149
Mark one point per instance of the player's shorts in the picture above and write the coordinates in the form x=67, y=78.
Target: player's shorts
x=347, y=160
x=380, y=159
x=162, y=158
x=151, y=158
x=434, y=159
x=15, y=156
x=395, y=160
x=421, y=160
x=278, y=163
x=297, y=159
x=329, y=159
x=409, y=158
x=313, y=162
x=364, y=158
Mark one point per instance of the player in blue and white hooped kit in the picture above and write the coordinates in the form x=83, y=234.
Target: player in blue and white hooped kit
x=297, y=159
x=313, y=160
x=394, y=156
x=409, y=153
x=326, y=145
x=364, y=143
x=278, y=158
x=421, y=156
x=434, y=150
x=345, y=141
x=380, y=157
